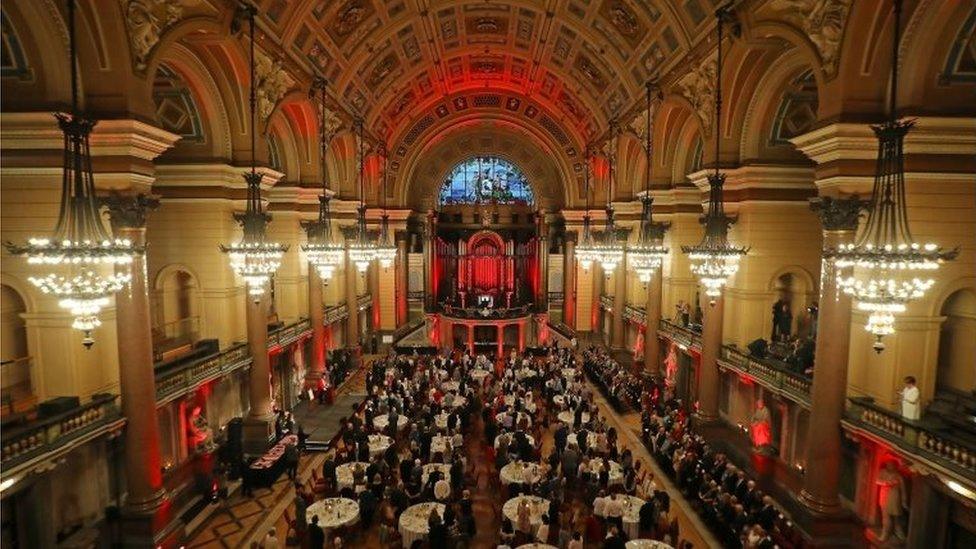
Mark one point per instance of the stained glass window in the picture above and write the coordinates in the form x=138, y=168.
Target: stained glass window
x=486, y=179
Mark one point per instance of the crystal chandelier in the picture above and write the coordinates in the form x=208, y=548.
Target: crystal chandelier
x=385, y=249
x=324, y=255
x=647, y=255
x=254, y=258
x=609, y=251
x=714, y=260
x=362, y=252
x=81, y=254
x=586, y=250
x=888, y=263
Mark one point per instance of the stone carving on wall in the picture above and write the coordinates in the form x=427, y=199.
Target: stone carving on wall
x=272, y=83
x=698, y=87
x=823, y=21
x=146, y=20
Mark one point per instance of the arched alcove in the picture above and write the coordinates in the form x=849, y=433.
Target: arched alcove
x=176, y=311
x=957, y=344
x=794, y=287
x=17, y=389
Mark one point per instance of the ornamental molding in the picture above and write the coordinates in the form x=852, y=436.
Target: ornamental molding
x=698, y=87
x=839, y=214
x=129, y=212
x=271, y=83
x=823, y=22
x=145, y=22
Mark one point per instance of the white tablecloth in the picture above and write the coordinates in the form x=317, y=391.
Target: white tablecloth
x=569, y=373
x=448, y=386
x=567, y=416
x=525, y=373
x=413, y=521
x=571, y=439
x=479, y=375
x=499, y=417
x=537, y=506
x=439, y=444
x=537, y=546
x=381, y=422
x=632, y=507
x=378, y=444
x=514, y=472
x=647, y=544
x=499, y=438
x=442, y=467
x=333, y=512
x=440, y=420
x=457, y=402
x=616, y=472
x=344, y=477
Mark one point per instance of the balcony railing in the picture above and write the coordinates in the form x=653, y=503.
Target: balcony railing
x=174, y=337
x=46, y=435
x=335, y=313
x=416, y=296
x=606, y=302
x=680, y=334
x=924, y=439
x=407, y=329
x=556, y=297
x=287, y=335
x=476, y=313
x=562, y=329
x=364, y=301
x=779, y=379
x=17, y=394
x=635, y=315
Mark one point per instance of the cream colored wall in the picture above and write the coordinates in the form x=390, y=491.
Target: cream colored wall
x=29, y=200
x=940, y=210
x=291, y=278
x=957, y=344
x=387, y=297
x=584, y=298
x=784, y=237
x=189, y=233
x=678, y=282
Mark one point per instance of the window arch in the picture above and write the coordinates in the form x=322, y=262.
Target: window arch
x=486, y=179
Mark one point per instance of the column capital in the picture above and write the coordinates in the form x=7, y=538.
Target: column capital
x=839, y=214
x=129, y=211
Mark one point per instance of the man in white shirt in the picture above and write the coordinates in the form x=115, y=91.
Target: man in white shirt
x=910, y=395
x=600, y=505
x=614, y=510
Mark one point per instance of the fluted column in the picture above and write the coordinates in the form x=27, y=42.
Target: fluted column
x=652, y=318
x=708, y=379
x=619, y=304
x=257, y=425
x=599, y=279
x=542, y=253
x=146, y=517
x=430, y=258
x=352, y=302
x=569, y=282
x=316, y=316
x=402, y=282
x=829, y=389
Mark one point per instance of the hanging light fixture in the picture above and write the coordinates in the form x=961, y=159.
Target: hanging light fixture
x=80, y=251
x=886, y=258
x=385, y=249
x=647, y=255
x=254, y=258
x=609, y=251
x=585, y=251
x=324, y=255
x=361, y=251
x=714, y=260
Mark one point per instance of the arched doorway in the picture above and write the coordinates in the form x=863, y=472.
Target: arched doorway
x=957, y=344
x=176, y=320
x=17, y=392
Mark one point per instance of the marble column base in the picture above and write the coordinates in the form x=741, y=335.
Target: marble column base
x=154, y=526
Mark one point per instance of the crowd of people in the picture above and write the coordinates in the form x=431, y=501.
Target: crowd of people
x=730, y=502
x=622, y=387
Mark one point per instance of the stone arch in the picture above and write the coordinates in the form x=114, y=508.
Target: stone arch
x=764, y=107
x=676, y=127
x=217, y=142
x=176, y=303
x=48, y=85
x=15, y=351
x=797, y=284
x=956, y=366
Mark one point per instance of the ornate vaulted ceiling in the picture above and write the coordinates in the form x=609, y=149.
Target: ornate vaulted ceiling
x=579, y=63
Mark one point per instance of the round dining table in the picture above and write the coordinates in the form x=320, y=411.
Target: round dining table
x=569, y=418
x=508, y=436
x=647, y=544
x=344, y=476
x=414, y=522
x=378, y=444
x=383, y=421
x=514, y=472
x=333, y=512
x=631, y=517
x=537, y=506
x=444, y=468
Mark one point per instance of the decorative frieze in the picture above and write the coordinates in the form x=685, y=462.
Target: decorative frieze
x=823, y=21
x=146, y=21
x=839, y=214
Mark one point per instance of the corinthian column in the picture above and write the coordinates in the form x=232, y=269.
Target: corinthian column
x=652, y=318
x=402, y=283
x=316, y=316
x=708, y=379
x=619, y=304
x=146, y=519
x=820, y=484
x=257, y=424
x=569, y=281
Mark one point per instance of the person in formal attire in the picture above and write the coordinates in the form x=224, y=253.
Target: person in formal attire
x=892, y=500
x=760, y=429
x=316, y=535
x=910, y=395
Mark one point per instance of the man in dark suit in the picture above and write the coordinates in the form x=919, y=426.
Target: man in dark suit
x=316, y=536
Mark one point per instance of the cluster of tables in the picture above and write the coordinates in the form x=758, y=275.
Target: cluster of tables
x=414, y=523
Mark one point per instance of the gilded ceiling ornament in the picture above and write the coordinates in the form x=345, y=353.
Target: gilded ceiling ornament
x=382, y=70
x=487, y=25
x=146, y=20
x=698, y=87
x=589, y=70
x=272, y=82
x=624, y=19
x=349, y=16
x=823, y=21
